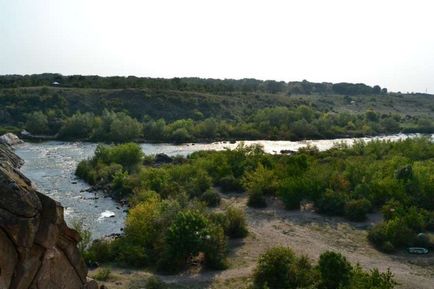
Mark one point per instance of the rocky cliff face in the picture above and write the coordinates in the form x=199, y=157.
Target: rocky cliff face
x=37, y=249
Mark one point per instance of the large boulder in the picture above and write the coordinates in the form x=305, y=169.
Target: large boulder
x=10, y=139
x=37, y=249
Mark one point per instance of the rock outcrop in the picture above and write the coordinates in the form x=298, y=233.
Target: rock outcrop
x=37, y=249
x=10, y=139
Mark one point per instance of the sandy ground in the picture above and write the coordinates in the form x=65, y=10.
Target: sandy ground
x=306, y=233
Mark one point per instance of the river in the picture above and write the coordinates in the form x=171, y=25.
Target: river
x=51, y=165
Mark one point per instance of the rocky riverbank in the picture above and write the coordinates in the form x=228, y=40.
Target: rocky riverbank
x=37, y=249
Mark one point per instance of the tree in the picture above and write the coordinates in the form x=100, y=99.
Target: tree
x=335, y=270
x=376, y=89
x=37, y=123
x=273, y=269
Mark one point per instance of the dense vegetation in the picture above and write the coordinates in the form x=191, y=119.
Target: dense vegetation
x=119, y=109
x=280, y=268
x=394, y=178
x=187, y=84
x=168, y=224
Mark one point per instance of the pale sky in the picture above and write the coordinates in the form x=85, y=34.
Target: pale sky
x=389, y=43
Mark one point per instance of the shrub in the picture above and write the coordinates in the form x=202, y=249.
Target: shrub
x=128, y=155
x=230, y=184
x=188, y=235
x=37, y=123
x=261, y=180
x=273, y=269
x=392, y=234
x=292, y=192
x=372, y=279
x=85, y=236
x=214, y=247
x=100, y=251
x=331, y=203
x=141, y=225
x=211, y=198
x=377, y=236
x=235, y=226
x=198, y=184
x=129, y=253
x=102, y=274
x=256, y=199
x=154, y=283
x=356, y=210
x=335, y=270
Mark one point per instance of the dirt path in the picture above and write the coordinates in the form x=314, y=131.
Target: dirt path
x=309, y=234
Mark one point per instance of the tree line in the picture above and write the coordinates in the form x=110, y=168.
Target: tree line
x=188, y=84
x=302, y=122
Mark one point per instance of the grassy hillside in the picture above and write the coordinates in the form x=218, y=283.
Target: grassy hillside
x=228, y=108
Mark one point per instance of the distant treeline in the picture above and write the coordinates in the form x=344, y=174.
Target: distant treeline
x=189, y=84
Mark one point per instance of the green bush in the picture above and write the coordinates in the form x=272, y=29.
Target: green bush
x=211, y=198
x=356, y=210
x=155, y=283
x=188, y=235
x=331, y=203
x=130, y=254
x=85, y=236
x=256, y=199
x=100, y=251
x=37, y=123
x=391, y=234
x=292, y=191
x=335, y=270
x=261, y=180
x=236, y=226
x=273, y=269
x=102, y=274
x=230, y=184
x=214, y=248
x=372, y=279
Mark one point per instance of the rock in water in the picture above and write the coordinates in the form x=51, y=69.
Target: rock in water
x=37, y=249
x=10, y=139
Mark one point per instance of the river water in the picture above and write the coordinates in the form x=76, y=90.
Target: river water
x=51, y=165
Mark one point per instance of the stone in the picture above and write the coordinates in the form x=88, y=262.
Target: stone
x=8, y=260
x=37, y=248
x=10, y=139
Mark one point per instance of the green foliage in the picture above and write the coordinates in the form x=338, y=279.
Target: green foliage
x=273, y=269
x=293, y=190
x=102, y=274
x=122, y=109
x=256, y=199
x=400, y=228
x=331, y=203
x=37, y=123
x=128, y=253
x=335, y=270
x=235, y=223
x=186, y=237
x=279, y=268
x=356, y=210
x=155, y=283
x=78, y=126
x=372, y=279
x=230, y=184
x=99, y=251
x=85, y=236
x=168, y=219
x=211, y=198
